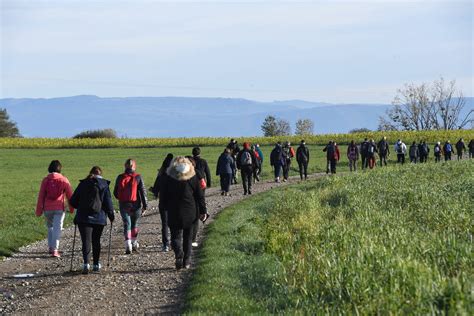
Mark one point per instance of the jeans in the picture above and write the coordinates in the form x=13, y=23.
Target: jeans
x=90, y=234
x=303, y=167
x=54, y=223
x=226, y=179
x=331, y=165
x=352, y=164
x=247, y=174
x=181, y=240
x=164, y=227
x=130, y=218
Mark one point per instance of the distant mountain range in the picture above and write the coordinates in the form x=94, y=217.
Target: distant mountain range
x=182, y=116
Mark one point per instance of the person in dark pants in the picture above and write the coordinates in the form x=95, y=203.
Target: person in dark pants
x=332, y=156
x=288, y=154
x=413, y=152
x=225, y=170
x=184, y=199
x=447, y=150
x=246, y=162
x=370, y=157
x=202, y=168
x=234, y=149
x=302, y=157
x=352, y=155
x=260, y=157
x=401, y=150
x=93, y=202
x=363, y=152
x=277, y=161
x=258, y=164
x=438, y=151
x=471, y=148
x=156, y=189
x=384, y=151
x=423, y=151
x=460, y=148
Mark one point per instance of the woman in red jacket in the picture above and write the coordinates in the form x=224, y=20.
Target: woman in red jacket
x=55, y=188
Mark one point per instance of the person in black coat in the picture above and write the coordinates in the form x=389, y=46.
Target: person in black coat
x=156, y=189
x=225, y=170
x=383, y=150
x=234, y=150
x=184, y=199
x=247, y=163
x=302, y=157
x=93, y=202
x=363, y=152
x=277, y=161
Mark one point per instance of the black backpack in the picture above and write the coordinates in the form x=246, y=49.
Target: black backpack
x=302, y=154
x=331, y=150
x=89, y=200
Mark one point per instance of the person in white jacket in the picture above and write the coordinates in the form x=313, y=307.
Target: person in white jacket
x=401, y=150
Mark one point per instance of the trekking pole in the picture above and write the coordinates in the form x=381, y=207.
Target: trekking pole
x=110, y=243
x=73, y=245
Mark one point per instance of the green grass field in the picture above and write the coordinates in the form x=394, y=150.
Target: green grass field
x=393, y=241
x=25, y=168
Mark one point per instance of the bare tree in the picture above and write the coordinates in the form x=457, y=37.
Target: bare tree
x=425, y=107
x=304, y=127
x=283, y=128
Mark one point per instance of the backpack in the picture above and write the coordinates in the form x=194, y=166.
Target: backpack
x=302, y=154
x=370, y=149
x=353, y=152
x=53, y=189
x=331, y=151
x=292, y=152
x=436, y=149
x=424, y=149
x=127, y=188
x=363, y=147
x=400, y=149
x=245, y=158
x=448, y=148
x=90, y=197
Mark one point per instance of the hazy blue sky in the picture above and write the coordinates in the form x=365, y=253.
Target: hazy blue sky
x=333, y=51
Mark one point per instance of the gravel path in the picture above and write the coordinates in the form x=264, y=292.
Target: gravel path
x=144, y=283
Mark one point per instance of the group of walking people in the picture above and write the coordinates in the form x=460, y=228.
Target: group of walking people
x=180, y=186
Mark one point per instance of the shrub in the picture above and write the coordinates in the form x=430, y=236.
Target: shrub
x=99, y=133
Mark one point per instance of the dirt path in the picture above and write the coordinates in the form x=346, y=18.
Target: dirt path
x=140, y=283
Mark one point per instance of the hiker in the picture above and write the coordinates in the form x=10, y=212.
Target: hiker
x=234, y=149
x=460, y=148
x=54, y=189
x=202, y=183
x=471, y=148
x=288, y=154
x=184, y=199
x=352, y=155
x=370, y=158
x=277, y=161
x=201, y=167
x=260, y=157
x=246, y=163
x=157, y=189
x=225, y=169
x=383, y=150
x=258, y=164
x=438, y=151
x=302, y=157
x=447, y=150
x=400, y=149
x=332, y=156
x=130, y=191
x=423, y=151
x=413, y=152
x=93, y=202
x=363, y=152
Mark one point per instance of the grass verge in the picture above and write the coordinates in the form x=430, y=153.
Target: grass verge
x=391, y=241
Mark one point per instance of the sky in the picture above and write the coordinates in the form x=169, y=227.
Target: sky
x=326, y=51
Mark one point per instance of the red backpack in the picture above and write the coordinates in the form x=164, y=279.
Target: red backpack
x=127, y=188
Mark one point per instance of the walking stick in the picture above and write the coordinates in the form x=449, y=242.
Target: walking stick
x=110, y=243
x=73, y=245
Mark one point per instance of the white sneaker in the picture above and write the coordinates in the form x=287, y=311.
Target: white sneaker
x=128, y=247
x=135, y=245
x=194, y=244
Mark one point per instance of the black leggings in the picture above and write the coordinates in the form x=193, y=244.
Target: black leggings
x=90, y=233
x=181, y=240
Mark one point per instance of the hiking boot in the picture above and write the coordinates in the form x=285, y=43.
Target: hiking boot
x=222, y=193
x=257, y=178
x=96, y=267
x=179, y=264
x=250, y=192
x=187, y=266
x=194, y=244
x=245, y=192
x=85, y=268
x=284, y=180
x=55, y=253
x=165, y=248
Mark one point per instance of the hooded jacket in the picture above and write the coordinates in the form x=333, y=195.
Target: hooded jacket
x=182, y=195
x=84, y=216
x=47, y=202
x=302, y=154
x=225, y=164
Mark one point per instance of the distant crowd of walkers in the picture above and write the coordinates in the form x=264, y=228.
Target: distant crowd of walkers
x=180, y=187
